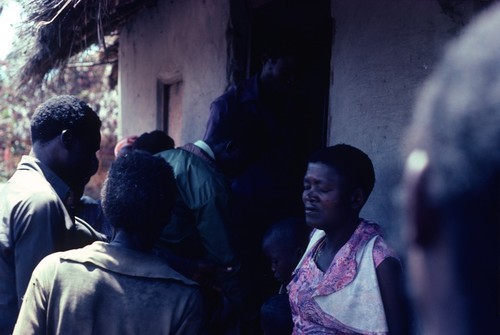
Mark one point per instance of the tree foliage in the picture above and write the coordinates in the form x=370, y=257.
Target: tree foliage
x=83, y=78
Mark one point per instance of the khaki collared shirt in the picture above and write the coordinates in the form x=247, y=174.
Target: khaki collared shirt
x=108, y=289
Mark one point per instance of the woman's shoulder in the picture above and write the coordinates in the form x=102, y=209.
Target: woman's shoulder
x=382, y=250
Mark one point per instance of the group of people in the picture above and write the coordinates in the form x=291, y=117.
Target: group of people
x=192, y=226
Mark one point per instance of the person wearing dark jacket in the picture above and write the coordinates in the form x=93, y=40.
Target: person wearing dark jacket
x=199, y=240
x=35, y=217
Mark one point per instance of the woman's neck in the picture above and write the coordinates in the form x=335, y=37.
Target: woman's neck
x=338, y=237
x=334, y=240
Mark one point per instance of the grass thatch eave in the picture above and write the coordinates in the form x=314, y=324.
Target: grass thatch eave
x=56, y=30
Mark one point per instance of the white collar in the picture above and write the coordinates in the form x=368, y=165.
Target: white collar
x=205, y=147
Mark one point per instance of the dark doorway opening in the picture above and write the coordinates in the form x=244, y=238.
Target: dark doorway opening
x=300, y=128
x=307, y=21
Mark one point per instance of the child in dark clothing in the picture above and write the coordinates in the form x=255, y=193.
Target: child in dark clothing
x=283, y=244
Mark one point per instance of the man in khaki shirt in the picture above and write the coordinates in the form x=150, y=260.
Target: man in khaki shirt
x=119, y=287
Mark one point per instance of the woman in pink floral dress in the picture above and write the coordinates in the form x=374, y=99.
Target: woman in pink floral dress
x=349, y=280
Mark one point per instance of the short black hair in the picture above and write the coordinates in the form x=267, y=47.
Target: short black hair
x=153, y=142
x=351, y=163
x=291, y=231
x=60, y=113
x=140, y=189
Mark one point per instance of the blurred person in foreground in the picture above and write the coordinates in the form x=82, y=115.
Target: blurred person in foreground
x=36, y=217
x=451, y=186
x=118, y=287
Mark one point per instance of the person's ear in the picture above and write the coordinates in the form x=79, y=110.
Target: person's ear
x=67, y=138
x=422, y=216
x=357, y=198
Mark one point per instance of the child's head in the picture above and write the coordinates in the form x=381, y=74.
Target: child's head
x=283, y=244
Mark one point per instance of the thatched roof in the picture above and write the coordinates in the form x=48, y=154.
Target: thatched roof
x=56, y=30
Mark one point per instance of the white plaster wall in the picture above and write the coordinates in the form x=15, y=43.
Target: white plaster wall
x=382, y=51
x=176, y=38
